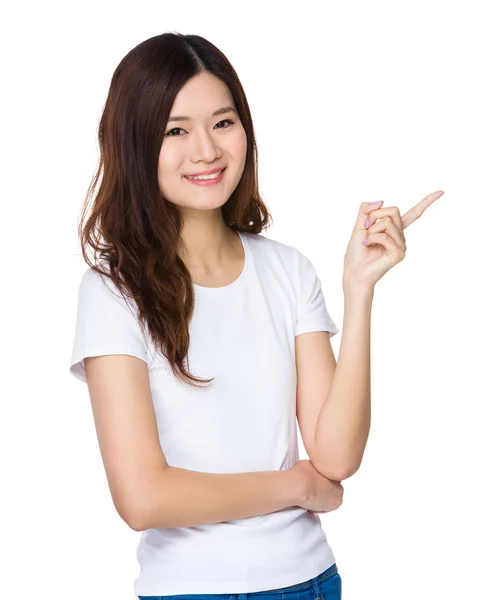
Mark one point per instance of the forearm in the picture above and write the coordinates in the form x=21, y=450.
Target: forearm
x=185, y=498
x=344, y=420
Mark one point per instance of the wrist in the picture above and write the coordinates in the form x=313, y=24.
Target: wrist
x=296, y=487
x=354, y=290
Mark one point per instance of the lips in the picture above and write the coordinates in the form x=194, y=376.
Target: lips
x=210, y=172
x=211, y=180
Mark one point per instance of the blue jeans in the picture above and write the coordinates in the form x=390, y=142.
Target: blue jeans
x=326, y=586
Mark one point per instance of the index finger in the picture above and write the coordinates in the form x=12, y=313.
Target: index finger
x=417, y=211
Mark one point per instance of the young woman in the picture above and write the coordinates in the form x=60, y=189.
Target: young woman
x=202, y=340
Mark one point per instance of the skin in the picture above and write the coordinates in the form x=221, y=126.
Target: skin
x=378, y=243
x=204, y=142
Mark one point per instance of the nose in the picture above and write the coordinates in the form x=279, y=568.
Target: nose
x=204, y=148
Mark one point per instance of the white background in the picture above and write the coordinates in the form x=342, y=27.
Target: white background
x=351, y=102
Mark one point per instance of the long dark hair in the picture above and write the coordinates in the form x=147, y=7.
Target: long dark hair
x=132, y=229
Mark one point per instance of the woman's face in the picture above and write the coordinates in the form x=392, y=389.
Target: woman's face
x=200, y=143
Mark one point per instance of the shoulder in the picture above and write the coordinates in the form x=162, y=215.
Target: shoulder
x=93, y=281
x=99, y=292
x=267, y=247
x=285, y=260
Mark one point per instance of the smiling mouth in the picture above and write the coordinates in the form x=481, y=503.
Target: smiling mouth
x=205, y=177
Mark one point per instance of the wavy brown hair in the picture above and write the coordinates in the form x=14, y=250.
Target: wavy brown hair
x=132, y=229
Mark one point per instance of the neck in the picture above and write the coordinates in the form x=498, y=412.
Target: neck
x=207, y=246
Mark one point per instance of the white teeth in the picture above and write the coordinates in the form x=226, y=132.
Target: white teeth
x=203, y=177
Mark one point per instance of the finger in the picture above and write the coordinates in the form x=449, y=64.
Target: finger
x=382, y=239
x=368, y=206
x=389, y=227
x=364, y=210
x=417, y=211
x=389, y=211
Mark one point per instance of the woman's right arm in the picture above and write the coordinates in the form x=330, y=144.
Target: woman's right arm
x=146, y=491
x=184, y=498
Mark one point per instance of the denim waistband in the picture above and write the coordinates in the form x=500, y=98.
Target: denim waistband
x=305, y=584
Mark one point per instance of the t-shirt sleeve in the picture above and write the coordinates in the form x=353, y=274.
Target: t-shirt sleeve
x=312, y=313
x=106, y=323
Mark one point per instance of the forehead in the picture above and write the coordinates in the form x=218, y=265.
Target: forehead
x=201, y=96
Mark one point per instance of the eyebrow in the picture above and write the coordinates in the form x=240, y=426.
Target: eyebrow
x=220, y=111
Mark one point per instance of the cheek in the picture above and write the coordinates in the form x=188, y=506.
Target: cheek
x=240, y=144
x=168, y=162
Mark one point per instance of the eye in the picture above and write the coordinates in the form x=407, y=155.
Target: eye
x=171, y=134
x=224, y=121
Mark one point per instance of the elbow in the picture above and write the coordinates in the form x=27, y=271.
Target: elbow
x=337, y=470
x=137, y=525
x=133, y=513
x=147, y=505
x=133, y=519
x=141, y=518
x=345, y=473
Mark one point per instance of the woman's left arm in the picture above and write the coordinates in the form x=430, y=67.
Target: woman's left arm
x=344, y=420
x=377, y=244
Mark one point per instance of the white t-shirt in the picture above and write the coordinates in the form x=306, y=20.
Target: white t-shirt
x=243, y=335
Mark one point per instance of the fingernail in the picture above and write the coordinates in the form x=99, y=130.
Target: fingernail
x=367, y=222
x=377, y=202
